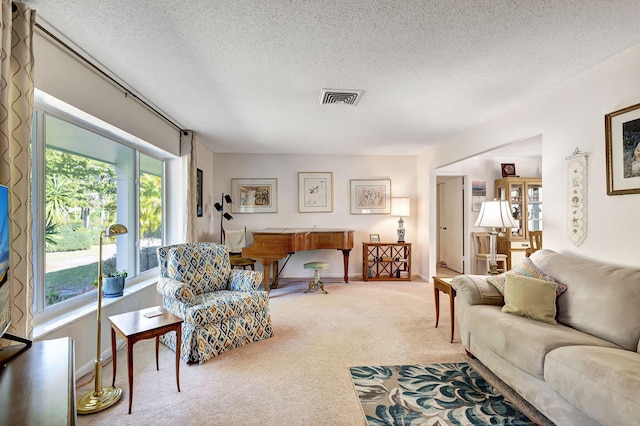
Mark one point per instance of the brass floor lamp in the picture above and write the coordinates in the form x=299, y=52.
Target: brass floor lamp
x=101, y=398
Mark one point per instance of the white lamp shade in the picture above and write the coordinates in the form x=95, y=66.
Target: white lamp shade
x=401, y=207
x=495, y=214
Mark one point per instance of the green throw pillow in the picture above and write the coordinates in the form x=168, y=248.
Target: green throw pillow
x=528, y=269
x=530, y=297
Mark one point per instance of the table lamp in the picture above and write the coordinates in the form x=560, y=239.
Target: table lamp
x=494, y=214
x=400, y=207
x=101, y=398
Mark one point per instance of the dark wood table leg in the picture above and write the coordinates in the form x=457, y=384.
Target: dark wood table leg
x=436, y=297
x=114, y=357
x=130, y=343
x=345, y=260
x=157, y=346
x=178, y=350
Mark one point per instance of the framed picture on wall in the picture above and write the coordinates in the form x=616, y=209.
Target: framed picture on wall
x=254, y=195
x=315, y=192
x=622, y=133
x=508, y=169
x=370, y=196
x=198, y=192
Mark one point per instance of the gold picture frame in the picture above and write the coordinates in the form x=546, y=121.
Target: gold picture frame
x=374, y=238
x=622, y=133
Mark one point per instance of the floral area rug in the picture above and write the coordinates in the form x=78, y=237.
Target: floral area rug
x=434, y=394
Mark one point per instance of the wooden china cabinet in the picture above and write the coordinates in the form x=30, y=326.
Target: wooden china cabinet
x=525, y=198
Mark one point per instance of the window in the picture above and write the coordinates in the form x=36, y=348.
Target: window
x=85, y=178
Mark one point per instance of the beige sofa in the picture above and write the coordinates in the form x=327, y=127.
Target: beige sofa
x=584, y=370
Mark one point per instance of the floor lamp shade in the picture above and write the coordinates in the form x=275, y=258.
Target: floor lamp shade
x=400, y=207
x=494, y=214
x=101, y=398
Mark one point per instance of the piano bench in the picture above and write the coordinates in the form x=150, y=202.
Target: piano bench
x=316, y=283
x=237, y=261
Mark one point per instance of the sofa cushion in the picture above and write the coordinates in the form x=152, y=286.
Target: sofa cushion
x=530, y=298
x=601, y=300
x=476, y=290
x=528, y=269
x=521, y=341
x=217, y=306
x=603, y=383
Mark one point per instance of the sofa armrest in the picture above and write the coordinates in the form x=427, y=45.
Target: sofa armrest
x=476, y=290
x=174, y=289
x=242, y=280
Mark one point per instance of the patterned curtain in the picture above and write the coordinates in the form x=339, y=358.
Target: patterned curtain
x=187, y=150
x=16, y=109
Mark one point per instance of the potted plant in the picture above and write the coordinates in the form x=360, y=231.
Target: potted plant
x=113, y=284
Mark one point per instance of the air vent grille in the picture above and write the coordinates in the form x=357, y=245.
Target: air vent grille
x=345, y=97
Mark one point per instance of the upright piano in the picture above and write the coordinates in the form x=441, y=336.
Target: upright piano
x=272, y=244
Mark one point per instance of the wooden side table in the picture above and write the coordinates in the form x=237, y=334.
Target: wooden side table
x=443, y=284
x=135, y=326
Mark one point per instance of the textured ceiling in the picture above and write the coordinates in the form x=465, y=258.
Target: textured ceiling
x=247, y=75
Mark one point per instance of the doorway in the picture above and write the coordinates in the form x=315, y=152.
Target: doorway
x=450, y=222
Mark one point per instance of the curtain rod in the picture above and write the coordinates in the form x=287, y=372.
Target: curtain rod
x=127, y=92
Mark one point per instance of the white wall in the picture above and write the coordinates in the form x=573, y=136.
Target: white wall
x=401, y=170
x=567, y=116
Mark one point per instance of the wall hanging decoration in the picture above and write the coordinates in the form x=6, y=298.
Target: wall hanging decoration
x=478, y=194
x=254, y=195
x=577, y=186
x=315, y=192
x=508, y=169
x=199, y=192
x=622, y=132
x=370, y=196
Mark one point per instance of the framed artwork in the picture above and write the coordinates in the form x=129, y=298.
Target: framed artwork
x=369, y=196
x=199, y=192
x=508, y=169
x=622, y=132
x=374, y=238
x=315, y=192
x=478, y=194
x=254, y=195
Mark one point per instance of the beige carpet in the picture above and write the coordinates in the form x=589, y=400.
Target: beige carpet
x=300, y=376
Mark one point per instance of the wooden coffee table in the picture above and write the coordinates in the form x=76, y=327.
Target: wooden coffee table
x=443, y=284
x=135, y=326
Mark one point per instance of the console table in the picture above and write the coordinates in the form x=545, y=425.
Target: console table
x=386, y=261
x=37, y=387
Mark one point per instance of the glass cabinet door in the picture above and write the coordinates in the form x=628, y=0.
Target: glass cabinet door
x=515, y=198
x=534, y=207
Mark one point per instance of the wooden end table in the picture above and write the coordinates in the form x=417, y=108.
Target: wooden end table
x=135, y=326
x=443, y=284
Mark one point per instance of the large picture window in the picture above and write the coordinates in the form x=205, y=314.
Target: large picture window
x=89, y=179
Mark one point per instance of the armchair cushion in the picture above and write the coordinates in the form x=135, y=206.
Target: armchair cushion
x=204, y=270
x=217, y=306
x=242, y=280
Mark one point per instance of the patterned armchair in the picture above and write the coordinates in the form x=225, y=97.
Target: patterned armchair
x=221, y=307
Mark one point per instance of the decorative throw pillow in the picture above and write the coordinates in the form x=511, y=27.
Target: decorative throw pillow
x=530, y=298
x=528, y=269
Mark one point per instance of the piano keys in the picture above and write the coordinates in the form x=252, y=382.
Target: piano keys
x=272, y=244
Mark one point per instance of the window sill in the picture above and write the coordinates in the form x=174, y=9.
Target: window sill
x=73, y=315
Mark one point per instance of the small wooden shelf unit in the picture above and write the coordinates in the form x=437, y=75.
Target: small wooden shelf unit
x=386, y=261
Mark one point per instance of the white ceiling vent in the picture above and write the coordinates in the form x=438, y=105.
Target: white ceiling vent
x=346, y=97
